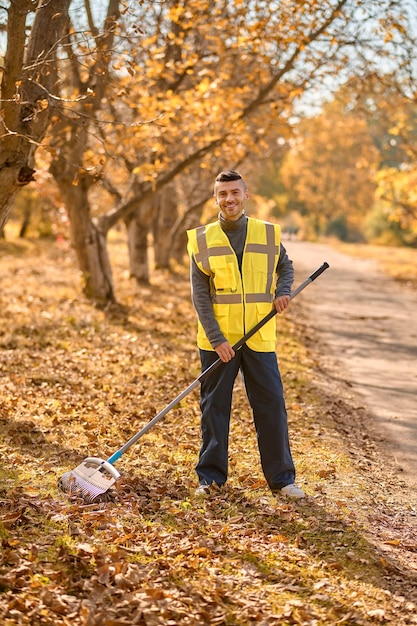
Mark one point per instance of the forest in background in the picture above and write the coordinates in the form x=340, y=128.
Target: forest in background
x=118, y=116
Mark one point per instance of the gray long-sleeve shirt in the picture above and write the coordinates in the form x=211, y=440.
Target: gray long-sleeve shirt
x=200, y=282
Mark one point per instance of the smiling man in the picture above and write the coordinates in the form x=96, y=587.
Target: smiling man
x=239, y=270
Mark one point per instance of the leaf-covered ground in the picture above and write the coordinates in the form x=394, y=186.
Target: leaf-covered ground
x=77, y=381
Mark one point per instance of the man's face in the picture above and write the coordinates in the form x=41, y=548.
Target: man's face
x=231, y=196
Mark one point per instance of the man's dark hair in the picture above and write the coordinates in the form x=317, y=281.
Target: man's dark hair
x=227, y=175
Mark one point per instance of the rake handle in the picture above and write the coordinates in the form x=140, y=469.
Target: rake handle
x=211, y=368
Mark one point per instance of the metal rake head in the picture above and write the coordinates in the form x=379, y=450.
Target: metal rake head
x=90, y=479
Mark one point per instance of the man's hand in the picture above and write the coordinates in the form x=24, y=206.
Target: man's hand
x=225, y=352
x=281, y=303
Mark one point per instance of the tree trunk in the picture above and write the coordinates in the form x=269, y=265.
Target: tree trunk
x=25, y=93
x=138, y=226
x=88, y=241
x=179, y=244
x=165, y=218
x=191, y=218
x=27, y=214
x=137, y=237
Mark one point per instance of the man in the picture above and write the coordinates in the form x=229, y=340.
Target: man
x=239, y=269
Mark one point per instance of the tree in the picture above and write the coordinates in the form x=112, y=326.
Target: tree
x=197, y=84
x=353, y=166
x=27, y=85
x=209, y=108
x=390, y=110
x=331, y=169
x=74, y=165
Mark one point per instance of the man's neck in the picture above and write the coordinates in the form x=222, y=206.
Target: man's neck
x=229, y=225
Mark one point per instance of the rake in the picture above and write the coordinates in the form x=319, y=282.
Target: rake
x=94, y=476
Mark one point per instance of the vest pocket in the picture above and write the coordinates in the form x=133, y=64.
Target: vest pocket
x=224, y=279
x=268, y=331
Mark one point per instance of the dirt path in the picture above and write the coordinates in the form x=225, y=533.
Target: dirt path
x=368, y=325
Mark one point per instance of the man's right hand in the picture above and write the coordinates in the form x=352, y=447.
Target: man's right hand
x=225, y=352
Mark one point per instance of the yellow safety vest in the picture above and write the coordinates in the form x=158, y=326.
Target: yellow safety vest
x=240, y=300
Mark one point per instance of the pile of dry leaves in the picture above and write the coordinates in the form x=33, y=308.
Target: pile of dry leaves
x=78, y=381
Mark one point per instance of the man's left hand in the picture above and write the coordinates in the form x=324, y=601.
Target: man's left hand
x=281, y=303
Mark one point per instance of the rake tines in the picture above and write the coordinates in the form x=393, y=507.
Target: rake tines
x=90, y=479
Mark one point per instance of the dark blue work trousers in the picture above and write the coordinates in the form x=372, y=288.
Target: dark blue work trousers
x=264, y=389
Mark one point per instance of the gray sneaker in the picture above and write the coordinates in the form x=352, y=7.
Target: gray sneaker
x=202, y=490
x=293, y=492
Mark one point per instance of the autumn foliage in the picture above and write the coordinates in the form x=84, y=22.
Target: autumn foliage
x=133, y=107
